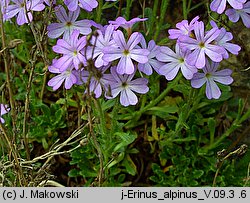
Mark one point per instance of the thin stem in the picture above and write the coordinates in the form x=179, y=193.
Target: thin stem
x=153, y=103
x=196, y=6
x=44, y=84
x=101, y=117
x=99, y=11
x=128, y=7
x=189, y=5
x=229, y=131
x=8, y=80
x=153, y=18
x=27, y=100
x=164, y=5
x=120, y=8
x=94, y=138
x=114, y=116
x=15, y=156
x=241, y=150
x=162, y=95
x=184, y=9
x=89, y=114
x=44, y=39
x=79, y=115
x=26, y=106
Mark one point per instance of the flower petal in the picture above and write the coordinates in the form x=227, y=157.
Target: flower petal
x=212, y=90
x=223, y=76
x=55, y=30
x=140, y=55
x=125, y=66
x=197, y=58
x=198, y=80
x=139, y=85
x=170, y=70
x=214, y=52
x=134, y=39
x=128, y=98
x=61, y=14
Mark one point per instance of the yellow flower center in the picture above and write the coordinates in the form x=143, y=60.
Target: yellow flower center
x=75, y=53
x=208, y=75
x=68, y=24
x=201, y=44
x=181, y=60
x=124, y=84
x=126, y=52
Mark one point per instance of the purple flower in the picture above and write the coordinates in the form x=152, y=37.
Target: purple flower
x=222, y=40
x=244, y=14
x=209, y=76
x=125, y=52
x=18, y=8
x=176, y=61
x=3, y=5
x=183, y=28
x=125, y=86
x=67, y=24
x=121, y=22
x=3, y=110
x=152, y=63
x=69, y=76
x=98, y=81
x=202, y=45
x=220, y=5
x=87, y=5
x=72, y=52
x=99, y=43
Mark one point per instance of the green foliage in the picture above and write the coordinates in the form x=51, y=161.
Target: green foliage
x=170, y=138
x=45, y=123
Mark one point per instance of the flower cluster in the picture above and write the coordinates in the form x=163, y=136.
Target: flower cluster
x=108, y=45
x=23, y=9
x=197, y=49
x=240, y=9
x=113, y=58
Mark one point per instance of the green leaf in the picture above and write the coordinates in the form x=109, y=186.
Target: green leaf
x=121, y=178
x=108, y=5
x=129, y=165
x=69, y=102
x=108, y=104
x=117, y=160
x=126, y=138
x=73, y=173
x=164, y=41
x=163, y=111
x=197, y=173
x=182, y=88
x=45, y=143
x=211, y=125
